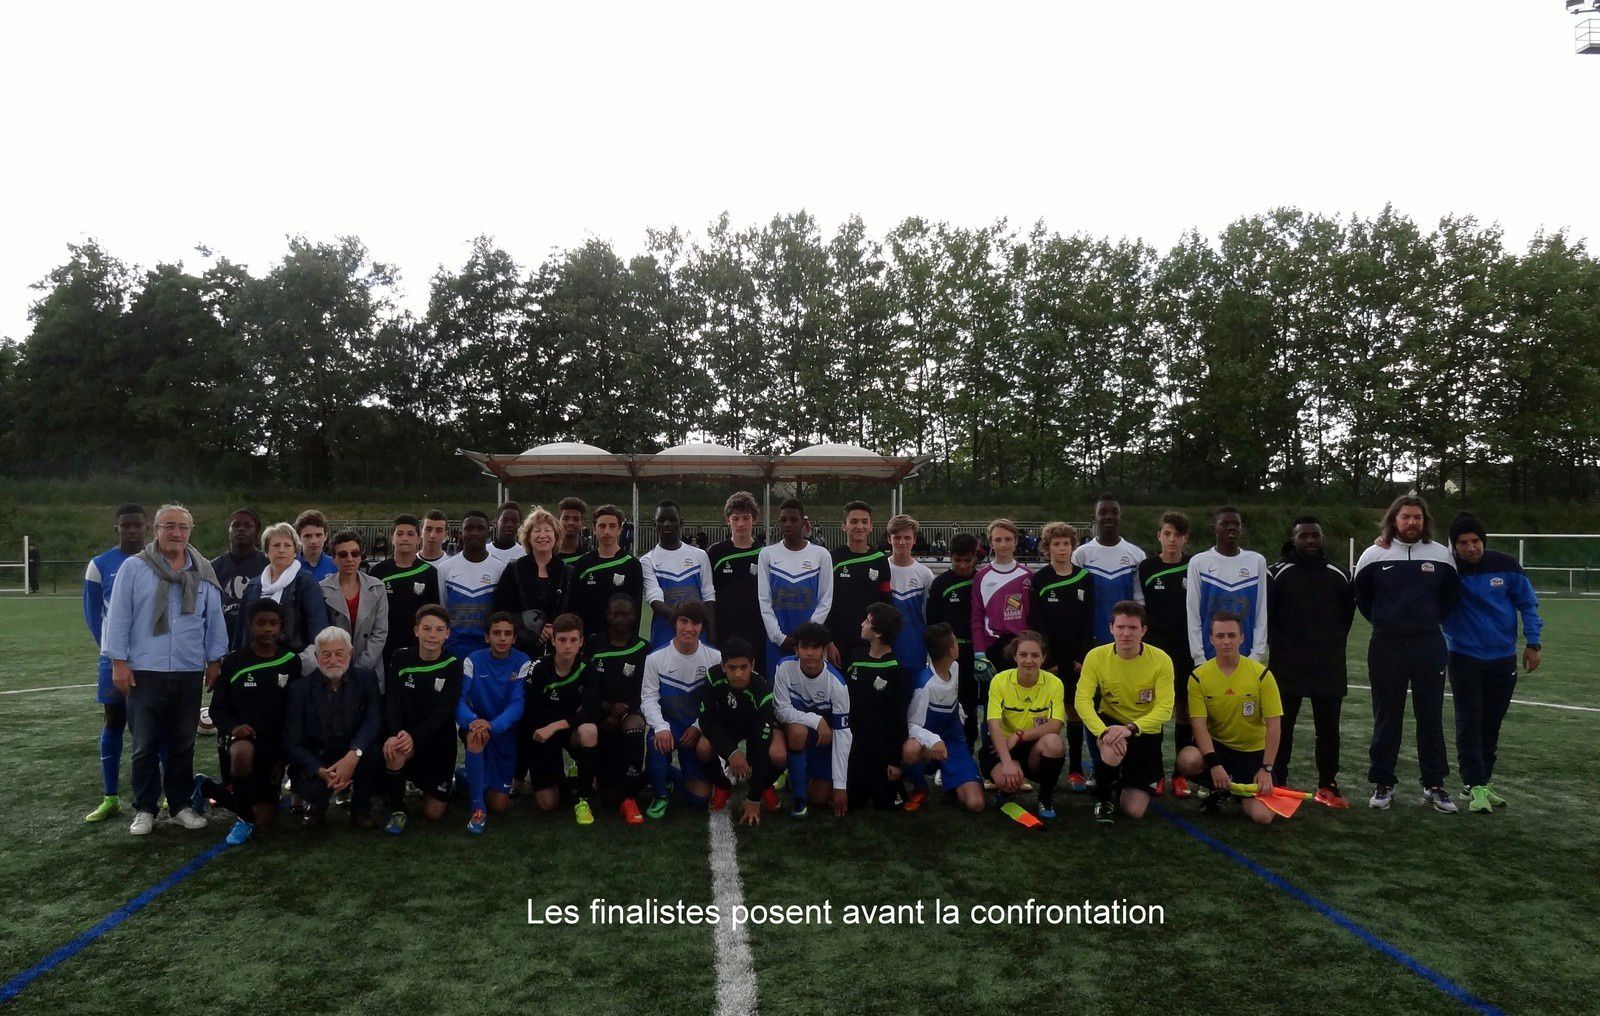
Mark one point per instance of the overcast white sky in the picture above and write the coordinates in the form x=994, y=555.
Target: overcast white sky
x=156, y=127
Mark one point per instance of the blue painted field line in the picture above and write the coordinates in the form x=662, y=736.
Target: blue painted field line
x=1349, y=924
x=15, y=986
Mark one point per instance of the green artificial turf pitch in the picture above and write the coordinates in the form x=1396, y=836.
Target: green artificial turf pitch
x=339, y=921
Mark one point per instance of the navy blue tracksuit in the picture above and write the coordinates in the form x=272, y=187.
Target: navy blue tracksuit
x=1407, y=590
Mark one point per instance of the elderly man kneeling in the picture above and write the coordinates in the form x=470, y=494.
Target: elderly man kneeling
x=331, y=731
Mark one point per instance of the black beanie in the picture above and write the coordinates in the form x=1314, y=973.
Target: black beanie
x=1466, y=522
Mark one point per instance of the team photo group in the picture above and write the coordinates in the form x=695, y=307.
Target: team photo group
x=511, y=661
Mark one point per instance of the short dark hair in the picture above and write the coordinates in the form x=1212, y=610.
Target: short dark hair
x=474, y=513
x=693, y=610
x=310, y=517
x=625, y=598
x=791, y=502
x=608, y=509
x=494, y=619
x=261, y=606
x=1225, y=510
x=432, y=610
x=811, y=635
x=347, y=536
x=1130, y=608
x=406, y=520
x=739, y=501
x=1106, y=495
x=963, y=543
x=735, y=648
x=857, y=506
x=435, y=515
x=663, y=505
x=509, y=506
x=1304, y=520
x=1228, y=615
x=567, y=622
x=1177, y=520
x=570, y=503
x=886, y=621
x=939, y=639
x=129, y=508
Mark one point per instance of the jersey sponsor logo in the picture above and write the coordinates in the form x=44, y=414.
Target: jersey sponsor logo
x=1496, y=582
x=250, y=681
x=1146, y=695
x=1013, y=611
x=1427, y=566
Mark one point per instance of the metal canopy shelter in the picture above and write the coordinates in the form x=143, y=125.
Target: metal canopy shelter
x=575, y=461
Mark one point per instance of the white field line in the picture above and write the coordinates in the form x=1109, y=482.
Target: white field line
x=1518, y=701
x=736, y=971
x=59, y=687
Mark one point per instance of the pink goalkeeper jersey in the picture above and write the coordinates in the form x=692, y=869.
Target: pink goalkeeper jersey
x=999, y=603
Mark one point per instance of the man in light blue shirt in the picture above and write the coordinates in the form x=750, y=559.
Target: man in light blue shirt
x=165, y=635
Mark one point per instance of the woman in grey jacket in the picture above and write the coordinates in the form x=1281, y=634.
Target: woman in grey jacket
x=358, y=603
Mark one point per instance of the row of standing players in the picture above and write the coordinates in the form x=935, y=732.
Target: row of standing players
x=765, y=593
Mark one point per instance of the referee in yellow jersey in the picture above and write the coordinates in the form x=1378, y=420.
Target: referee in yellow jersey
x=1135, y=686
x=1237, y=717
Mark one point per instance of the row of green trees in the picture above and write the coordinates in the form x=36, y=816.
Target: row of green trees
x=1292, y=353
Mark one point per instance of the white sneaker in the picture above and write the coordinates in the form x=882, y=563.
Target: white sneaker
x=1439, y=799
x=189, y=820
x=143, y=822
x=1382, y=797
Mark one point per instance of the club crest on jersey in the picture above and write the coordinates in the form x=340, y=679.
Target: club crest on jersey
x=1244, y=573
x=283, y=680
x=618, y=579
x=1248, y=709
x=438, y=684
x=1147, y=695
x=1125, y=560
x=700, y=672
x=1427, y=566
x=1013, y=606
x=879, y=684
x=1082, y=595
x=1496, y=582
x=416, y=587
x=872, y=573
x=628, y=669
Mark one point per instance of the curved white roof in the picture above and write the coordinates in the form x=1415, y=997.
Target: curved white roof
x=703, y=449
x=837, y=451
x=566, y=448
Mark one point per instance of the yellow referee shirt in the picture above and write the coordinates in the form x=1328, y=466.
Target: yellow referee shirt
x=1235, y=706
x=1131, y=691
x=1018, y=708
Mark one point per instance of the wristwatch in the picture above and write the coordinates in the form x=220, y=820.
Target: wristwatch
x=1267, y=768
x=357, y=751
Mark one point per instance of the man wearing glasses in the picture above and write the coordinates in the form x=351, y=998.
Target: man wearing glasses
x=165, y=635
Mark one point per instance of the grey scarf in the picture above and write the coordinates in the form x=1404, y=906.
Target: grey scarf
x=190, y=578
